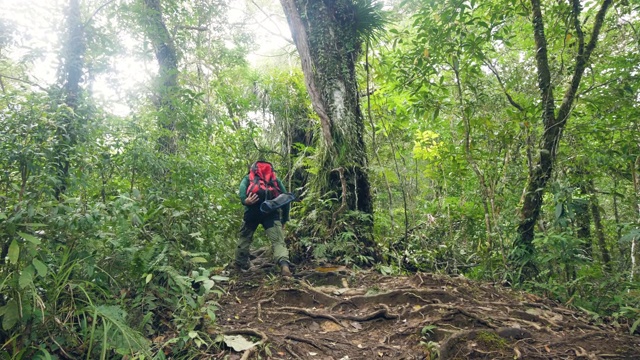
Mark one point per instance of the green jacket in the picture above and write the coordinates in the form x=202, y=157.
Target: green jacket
x=242, y=192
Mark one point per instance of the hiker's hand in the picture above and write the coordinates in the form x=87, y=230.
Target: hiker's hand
x=251, y=199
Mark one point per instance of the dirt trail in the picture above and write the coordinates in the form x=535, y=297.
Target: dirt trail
x=340, y=314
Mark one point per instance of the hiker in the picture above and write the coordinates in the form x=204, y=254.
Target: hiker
x=260, y=188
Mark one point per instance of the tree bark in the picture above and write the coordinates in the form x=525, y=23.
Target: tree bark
x=329, y=47
x=597, y=221
x=70, y=77
x=583, y=222
x=553, y=126
x=167, y=82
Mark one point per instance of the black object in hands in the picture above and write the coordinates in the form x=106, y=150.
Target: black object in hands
x=281, y=200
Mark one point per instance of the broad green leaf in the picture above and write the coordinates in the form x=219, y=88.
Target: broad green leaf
x=208, y=284
x=219, y=278
x=11, y=315
x=148, y=278
x=198, y=259
x=634, y=326
x=30, y=238
x=14, y=252
x=26, y=277
x=201, y=278
x=40, y=267
x=212, y=314
x=558, y=211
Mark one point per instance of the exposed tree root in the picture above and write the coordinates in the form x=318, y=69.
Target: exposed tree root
x=384, y=313
x=304, y=340
x=290, y=351
x=311, y=314
x=456, y=314
x=469, y=315
x=327, y=298
x=250, y=332
x=263, y=301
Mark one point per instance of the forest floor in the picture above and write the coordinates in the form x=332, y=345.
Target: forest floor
x=341, y=314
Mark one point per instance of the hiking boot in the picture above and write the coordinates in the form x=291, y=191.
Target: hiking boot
x=284, y=268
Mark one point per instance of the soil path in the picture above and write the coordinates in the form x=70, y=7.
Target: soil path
x=333, y=313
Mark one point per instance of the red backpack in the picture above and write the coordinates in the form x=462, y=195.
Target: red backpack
x=262, y=181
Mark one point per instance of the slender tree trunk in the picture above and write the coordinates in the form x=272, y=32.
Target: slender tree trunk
x=616, y=212
x=70, y=76
x=583, y=222
x=167, y=82
x=472, y=162
x=373, y=138
x=329, y=47
x=553, y=125
x=597, y=221
x=636, y=203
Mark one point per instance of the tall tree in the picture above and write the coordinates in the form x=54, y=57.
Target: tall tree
x=554, y=120
x=167, y=82
x=70, y=76
x=329, y=37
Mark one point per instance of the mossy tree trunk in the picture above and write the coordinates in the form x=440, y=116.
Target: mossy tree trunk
x=328, y=42
x=166, y=86
x=554, y=120
x=70, y=76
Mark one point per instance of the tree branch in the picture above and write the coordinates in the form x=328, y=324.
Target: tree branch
x=584, y=53
x=276, y=25
x=23, y=81
x=504, y=89
x=96, y=12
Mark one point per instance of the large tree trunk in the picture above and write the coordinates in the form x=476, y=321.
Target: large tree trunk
x=328, y=44
x=167, y=82
x=70, y=76
x=553, y=126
